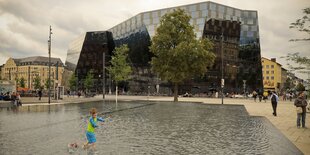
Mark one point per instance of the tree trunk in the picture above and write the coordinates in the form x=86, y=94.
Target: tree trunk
x=175, y=92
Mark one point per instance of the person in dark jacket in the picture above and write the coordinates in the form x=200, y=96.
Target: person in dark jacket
x=274, y=102
x=301, y=102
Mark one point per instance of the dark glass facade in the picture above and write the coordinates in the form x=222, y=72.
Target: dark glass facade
x=86, y=53
x=241, y=49
x=240, y=61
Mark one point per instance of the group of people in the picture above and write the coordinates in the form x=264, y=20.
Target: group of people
x=13, y=97
x=301, y=107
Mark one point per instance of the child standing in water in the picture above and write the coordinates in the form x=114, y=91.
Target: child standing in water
x=92, y=124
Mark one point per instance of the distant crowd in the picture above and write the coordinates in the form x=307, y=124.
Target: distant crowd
x=13, y=97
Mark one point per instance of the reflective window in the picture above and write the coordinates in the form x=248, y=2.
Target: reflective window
x=195, y=14
x=250, y=34
x=221, y=9
x=250, y=21
x=237, y=13
x=230, y=11
x=204, y=13
x=155, y=14
x=213, y=14
x=147, y=21
x=146, y=15
x=221, y=16
x=244, y=27
x=155, y=20
x=192, y=8
x=200, y=21
x=212, y=6
x=203, y=6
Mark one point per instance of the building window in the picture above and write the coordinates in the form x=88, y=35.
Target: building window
x=267, y=77
x=272, y=78
x=267, y=66
x=272, y=72
x=272, y=66
x=267, y=72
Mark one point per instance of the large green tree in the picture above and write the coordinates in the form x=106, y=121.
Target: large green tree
x=178, y=55
x=88, y=82
x=120, y=68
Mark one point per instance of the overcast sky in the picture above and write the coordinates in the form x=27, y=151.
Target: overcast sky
x=24, y=24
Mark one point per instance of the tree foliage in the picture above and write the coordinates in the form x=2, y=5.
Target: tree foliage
x=303, y=25
x=300, y=87
x=178, y=55
x=88, y=82
x=72, y=82
x=120, y=69
x=22, y=82
x=37, y=82
x=47, y=82
x=302, y=61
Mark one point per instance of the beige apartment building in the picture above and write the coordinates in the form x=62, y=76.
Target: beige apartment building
x=274, y=76
x=31, y=67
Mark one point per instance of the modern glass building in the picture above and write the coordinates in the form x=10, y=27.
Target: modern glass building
x=241, y=51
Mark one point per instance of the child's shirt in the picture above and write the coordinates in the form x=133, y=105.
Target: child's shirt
x=92, y=123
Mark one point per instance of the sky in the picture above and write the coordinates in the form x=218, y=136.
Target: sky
x=24, y=24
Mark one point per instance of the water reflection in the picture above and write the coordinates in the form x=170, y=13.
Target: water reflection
x=141, y=128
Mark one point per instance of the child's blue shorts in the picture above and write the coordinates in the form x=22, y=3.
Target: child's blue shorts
x=91, y=137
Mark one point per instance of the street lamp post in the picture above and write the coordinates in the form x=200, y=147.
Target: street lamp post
x=49, y=65
x=244, y=85
x=103, y=71
x=222, y=69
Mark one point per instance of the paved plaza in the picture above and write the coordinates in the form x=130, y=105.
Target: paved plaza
x=285, y=121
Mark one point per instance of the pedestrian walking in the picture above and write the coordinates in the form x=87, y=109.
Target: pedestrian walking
x=274, y=102
x=40, y=94
x=301, y=104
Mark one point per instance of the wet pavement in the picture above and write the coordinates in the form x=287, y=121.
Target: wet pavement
x=142, y=127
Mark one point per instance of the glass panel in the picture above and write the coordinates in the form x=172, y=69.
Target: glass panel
x=200, y=21
x=221, y=8
x=230, y=11
x=192, y=8
x=250, y=21
x=212, y=6
x=204, y=13
x=213, y=14
x=237, y=13
x=203, y=6
x=195, y=14
x=155, y=14
x=146, y=15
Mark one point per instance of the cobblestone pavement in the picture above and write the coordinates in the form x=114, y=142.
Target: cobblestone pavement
x=285, y=121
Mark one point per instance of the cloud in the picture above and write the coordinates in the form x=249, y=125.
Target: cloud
x=24, y=25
